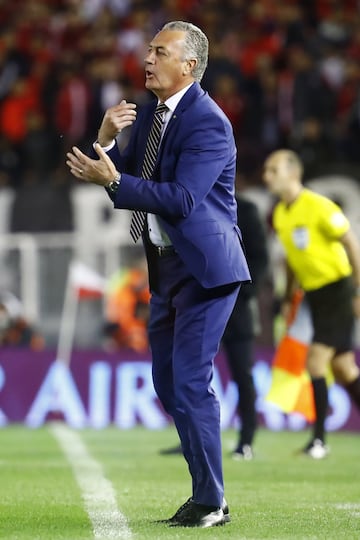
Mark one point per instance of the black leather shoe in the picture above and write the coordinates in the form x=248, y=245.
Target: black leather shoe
x=177, y=517
x=199, y=515
x=178, y=512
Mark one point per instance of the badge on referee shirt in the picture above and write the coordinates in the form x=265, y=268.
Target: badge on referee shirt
x=301, y=237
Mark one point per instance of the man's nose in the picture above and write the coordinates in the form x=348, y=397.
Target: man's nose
x=149, y=58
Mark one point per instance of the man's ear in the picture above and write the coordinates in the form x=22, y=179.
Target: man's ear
x=189, y=66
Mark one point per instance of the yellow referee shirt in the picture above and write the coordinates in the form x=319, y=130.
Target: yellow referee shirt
x=309, y=230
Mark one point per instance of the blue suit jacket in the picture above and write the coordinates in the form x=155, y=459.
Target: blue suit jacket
x=192, y=188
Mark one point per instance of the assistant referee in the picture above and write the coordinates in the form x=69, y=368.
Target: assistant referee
x=323, y=257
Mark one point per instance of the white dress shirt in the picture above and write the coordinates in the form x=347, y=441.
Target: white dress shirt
x=157, y=235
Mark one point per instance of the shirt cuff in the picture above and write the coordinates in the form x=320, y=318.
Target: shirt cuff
x=106, y=148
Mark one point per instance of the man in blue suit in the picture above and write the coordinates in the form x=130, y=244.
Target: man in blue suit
x=192, y=242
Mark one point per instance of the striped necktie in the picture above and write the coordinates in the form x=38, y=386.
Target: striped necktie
x=152, y=146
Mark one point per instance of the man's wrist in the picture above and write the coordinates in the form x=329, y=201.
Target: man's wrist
x=113, y=185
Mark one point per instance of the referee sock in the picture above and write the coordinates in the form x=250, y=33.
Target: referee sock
x=321, y=405
x=353, y=390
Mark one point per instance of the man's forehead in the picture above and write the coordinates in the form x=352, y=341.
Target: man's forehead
x=271, y=161
x=166, y=37
x=276, y=159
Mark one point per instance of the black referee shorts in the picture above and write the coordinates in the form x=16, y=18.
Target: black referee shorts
x=332, y=314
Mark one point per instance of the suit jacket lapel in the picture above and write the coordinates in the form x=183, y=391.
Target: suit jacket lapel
x=188, y=98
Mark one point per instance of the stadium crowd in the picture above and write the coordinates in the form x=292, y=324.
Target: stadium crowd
x=286, y=72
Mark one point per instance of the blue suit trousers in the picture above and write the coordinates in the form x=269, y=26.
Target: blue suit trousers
x=185, y=329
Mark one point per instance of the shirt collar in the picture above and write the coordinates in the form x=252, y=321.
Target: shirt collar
x=172, y=102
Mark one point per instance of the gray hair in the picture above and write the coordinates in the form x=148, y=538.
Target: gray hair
x=196, y=45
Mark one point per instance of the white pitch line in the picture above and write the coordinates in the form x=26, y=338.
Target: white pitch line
x=97, y=492
x=353, y=509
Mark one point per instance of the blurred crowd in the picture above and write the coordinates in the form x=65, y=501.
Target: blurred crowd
x=15, y=329
x=286, y=72
x=127, y=307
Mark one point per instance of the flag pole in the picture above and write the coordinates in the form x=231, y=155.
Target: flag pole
x=68, y=321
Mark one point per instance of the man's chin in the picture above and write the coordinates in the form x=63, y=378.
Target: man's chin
x=149, y=84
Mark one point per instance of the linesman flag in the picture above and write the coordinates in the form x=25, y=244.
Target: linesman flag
x=291, y=388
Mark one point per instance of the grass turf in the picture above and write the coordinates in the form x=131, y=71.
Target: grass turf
x=278, y=495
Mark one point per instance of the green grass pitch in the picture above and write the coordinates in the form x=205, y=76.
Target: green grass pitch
x=278, y=495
